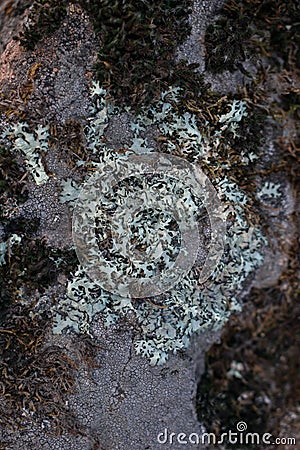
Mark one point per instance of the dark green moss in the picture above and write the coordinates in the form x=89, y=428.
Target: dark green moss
x=253, y=29
x=45, y=17
x=32, y=264
x=291, y=102
x=263, y=338
x=138, y=41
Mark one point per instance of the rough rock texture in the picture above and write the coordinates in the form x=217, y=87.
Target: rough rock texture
x=124, y=403
x=137, y=402
x=193, y=50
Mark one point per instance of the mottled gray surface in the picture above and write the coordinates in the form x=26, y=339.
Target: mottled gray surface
x=193, y=49
x=137, y=402
x=203, y=13
x=125, y=403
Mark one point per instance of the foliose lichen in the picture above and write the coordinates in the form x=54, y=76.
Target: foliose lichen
x=31, y=145
x=167, y=324
x=269, y=190
x=7, y=245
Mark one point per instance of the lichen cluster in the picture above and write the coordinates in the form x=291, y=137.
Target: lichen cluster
x=32, y=145
x=167, y=326
x=166, y=322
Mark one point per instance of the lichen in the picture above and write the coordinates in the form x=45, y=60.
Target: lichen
x=70, y=192
x=7, y=245
x=166, y=323
x=31, y=145
x=269, y=190
x=3, y=248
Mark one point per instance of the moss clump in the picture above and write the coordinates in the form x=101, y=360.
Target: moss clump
x=45, y=17
x=240, y=382
x=224, y=42
x=138, y=41
x=10, y=178
x=31, y=265
x=33, y=378
x=247, y=28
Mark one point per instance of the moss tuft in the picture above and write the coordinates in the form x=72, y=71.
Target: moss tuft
x=45, y=17
x=138, y=42
x=249, y=29
x=33, y=378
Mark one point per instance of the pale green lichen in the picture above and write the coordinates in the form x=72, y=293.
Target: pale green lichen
x=3, y=249
x=189, y=307
x=7, y=245
x=269, y=190
x=30, y=145
x=70, y=192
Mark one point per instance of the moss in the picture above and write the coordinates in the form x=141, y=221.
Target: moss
x=11, y=175
x=263, y=338
x=70, y=137
x=34, y=378
x=45, y=17
x=223, y=401
x=291, y=102
x=138, y=41
x=31, y=265
x=248, y=29
x=224, y=42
